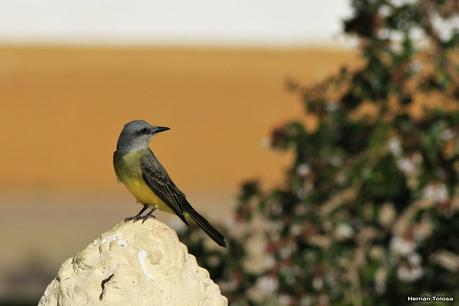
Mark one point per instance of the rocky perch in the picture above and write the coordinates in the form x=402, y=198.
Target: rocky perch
x=133, y=264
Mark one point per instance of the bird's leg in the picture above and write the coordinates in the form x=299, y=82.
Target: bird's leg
x=148, y=215
x=139, y=214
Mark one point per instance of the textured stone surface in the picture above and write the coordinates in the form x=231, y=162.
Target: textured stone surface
x=133, y=264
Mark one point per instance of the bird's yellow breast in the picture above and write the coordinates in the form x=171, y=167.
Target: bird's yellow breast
x=129, y=172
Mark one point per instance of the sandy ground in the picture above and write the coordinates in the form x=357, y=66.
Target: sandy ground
x=62, y=110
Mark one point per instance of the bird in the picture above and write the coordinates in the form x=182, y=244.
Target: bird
x=140, y=171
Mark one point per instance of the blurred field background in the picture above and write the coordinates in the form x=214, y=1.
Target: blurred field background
x=62, y=111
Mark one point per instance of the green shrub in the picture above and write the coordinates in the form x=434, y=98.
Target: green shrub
x=368, y=213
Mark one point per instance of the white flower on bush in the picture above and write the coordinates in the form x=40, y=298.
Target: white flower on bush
x=213, y=260
x=317, y=283
x=407, y=166
x=387, y=214
x=343, y=231
x=269, y=261
x=331, y=106
x=285, y=299
x=394, y=146
x=414, y=259
x=377, y=252
x=436, y=192
x=303, y=169
x=412, y=271
x=404, y=2
x=423, y=228
x=267, y=284
x=287, y=250
x=336, y=160
x=447, y=134
x=402, y=246
x=296, y=229
x=409, y=274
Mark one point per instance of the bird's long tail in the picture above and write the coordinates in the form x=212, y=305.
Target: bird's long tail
x=206, y=227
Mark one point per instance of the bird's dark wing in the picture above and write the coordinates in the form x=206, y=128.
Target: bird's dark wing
x=160, y=183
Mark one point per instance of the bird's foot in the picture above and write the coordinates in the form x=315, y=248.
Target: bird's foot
x=137, y=218
x=147, y=215
x=139, y=214
x=131, y=218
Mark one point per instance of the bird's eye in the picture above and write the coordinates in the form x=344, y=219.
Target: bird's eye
x=143, y=131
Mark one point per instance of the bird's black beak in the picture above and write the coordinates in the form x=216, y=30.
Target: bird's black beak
x=159, y=129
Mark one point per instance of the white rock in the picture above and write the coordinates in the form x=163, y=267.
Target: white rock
x=133, y=264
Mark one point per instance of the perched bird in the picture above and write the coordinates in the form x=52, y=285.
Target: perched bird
x=138, y=169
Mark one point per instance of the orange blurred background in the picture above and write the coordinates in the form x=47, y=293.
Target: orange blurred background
x=63, y=109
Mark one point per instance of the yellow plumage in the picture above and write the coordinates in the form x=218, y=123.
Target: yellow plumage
x=129, y=172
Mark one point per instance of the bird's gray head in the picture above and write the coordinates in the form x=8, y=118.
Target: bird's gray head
x=136, y=135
